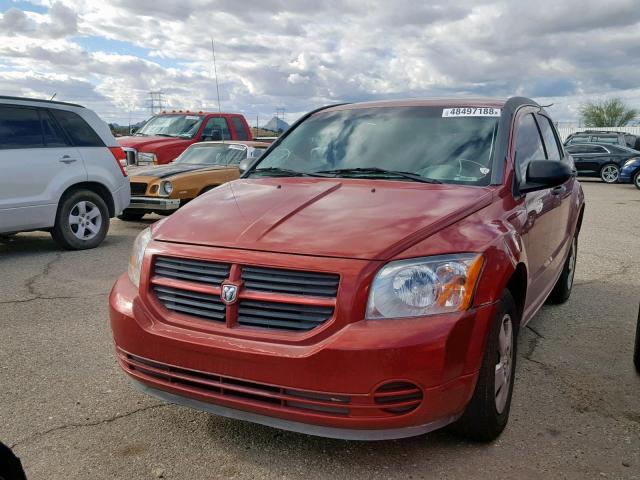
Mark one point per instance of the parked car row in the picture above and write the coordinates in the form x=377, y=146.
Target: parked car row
x=64, y=172
x=606, y=161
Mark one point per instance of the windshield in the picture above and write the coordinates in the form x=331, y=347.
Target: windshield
x=221, y=154
x=183, y=126
x=449, y=145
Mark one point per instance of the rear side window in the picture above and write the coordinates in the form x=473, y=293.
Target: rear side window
x=576, y=149
x=20, y=128
x=79, y=131
x=239, y=126
x=550, y=142
x=219, y=124
x=528, y=144
x=604, y=139
x=51, y=131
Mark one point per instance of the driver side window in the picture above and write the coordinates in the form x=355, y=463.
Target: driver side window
x=528, y=144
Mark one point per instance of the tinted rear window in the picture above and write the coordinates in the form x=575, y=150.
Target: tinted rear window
x=239, y=126
x=81, y=134
x=20, y=128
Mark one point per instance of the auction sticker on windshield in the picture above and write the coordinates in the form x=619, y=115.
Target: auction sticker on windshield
x=471, y=112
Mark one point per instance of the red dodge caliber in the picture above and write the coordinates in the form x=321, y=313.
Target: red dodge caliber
x=366, y=278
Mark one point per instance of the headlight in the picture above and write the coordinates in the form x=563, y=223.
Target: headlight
x=424, y=286
x=166, y=188
x=145, y=157
x=137, y=254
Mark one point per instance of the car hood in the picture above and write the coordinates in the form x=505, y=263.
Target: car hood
x=322, y=217
x=150, y=144
x=173, y=169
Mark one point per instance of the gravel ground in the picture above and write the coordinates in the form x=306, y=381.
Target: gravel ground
x=69, y=413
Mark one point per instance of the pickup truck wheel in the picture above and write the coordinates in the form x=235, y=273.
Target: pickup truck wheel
x=82, y=221
x=562, y=289
x=487, y=413
x=636, y=179
x=131, y=216
x=609, y=173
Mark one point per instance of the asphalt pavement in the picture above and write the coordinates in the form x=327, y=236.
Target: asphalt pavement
x=69, y=413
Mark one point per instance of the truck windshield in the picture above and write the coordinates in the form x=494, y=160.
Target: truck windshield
x=222, y=154
x=183, y=126
x=448, y=145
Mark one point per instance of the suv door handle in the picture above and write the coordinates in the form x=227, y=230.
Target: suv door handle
x=67, y=159
x=559, y=190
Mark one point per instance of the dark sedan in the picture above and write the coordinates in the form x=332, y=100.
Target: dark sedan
x=604, y=161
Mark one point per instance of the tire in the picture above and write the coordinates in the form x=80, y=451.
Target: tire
x=487, y=413
x=82, y=221
x=562, y=289
x=131, y=215
x=636, y=179
x=609, y=173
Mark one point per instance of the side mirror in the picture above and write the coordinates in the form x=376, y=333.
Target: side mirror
x=245, y=164
x=543, y=174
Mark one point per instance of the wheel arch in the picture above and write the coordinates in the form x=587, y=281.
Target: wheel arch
x=517, y=286
x=96, y=188
x=206, y=188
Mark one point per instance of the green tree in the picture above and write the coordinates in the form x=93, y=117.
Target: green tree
x=607, y=113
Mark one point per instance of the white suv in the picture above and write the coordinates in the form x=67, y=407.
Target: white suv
x=60, y=171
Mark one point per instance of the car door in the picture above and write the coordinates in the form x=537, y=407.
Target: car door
x=37, y=163
x=562, y=214
x=589, y=159
x=541, y=208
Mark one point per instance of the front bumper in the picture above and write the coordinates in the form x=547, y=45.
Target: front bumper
x=154, y=204
x=330, y=387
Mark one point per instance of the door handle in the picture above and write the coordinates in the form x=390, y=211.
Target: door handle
x=559, y=190
x=67, y=159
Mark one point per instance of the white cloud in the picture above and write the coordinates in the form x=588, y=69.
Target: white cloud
x=302, y=54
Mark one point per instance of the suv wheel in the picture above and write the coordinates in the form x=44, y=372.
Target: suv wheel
x=487, y=413
x=636, y=179
x=609, y=173
x=82, y=221
x=562, y=289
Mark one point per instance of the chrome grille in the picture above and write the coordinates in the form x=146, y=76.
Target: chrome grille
x=203, y=305
x=198, y=271
x=292, y=282
x=282, y=316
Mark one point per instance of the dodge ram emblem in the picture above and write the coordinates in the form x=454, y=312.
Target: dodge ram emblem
x=229, y=293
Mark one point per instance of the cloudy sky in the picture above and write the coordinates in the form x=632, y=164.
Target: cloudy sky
x=300, y=54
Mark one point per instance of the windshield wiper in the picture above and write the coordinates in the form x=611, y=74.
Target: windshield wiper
x=165, y=135
x=379, y=171
x=284, y=172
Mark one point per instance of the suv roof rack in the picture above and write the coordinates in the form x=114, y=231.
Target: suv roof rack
x=26, y=99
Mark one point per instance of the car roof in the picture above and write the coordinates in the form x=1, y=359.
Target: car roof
x=38, y=100
x=424, y=102
x=248, y=143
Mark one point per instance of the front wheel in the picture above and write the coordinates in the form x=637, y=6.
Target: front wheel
x=487, y=413
x=82, y=221
x=562, y=289
x=636, y=179
x=610, y=173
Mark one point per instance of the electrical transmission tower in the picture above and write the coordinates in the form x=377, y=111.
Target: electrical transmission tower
x=156, y=102
x=280, y=113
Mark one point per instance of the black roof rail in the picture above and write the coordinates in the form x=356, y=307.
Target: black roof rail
x=26, y=99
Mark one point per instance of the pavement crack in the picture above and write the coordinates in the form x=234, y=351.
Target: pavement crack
x=538, y=334
x=30, y=283
x=54, y=297
x=103, y=421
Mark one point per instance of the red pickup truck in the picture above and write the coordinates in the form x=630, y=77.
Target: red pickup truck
x=167, y=135
x=366, y=278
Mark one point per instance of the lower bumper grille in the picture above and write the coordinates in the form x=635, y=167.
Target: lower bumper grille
x=390, y=400
x=138, y=189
